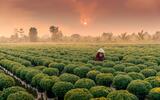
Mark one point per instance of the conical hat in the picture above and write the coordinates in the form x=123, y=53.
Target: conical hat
x=101, y=50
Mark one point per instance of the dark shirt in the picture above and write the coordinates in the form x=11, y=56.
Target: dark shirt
x=99, y=56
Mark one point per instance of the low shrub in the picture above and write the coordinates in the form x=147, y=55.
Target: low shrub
x=108, y=70
x=149, y=72
x=92, y=74
x=84, y=83
x=51, y=71
x=140, y=88
x=121, y=81
x=78, y=94
x=119, y=67
x=6, y=92
x=6, y=81
x=154, y=94
x=154, y=80
x=47, y=82
x=21, y=95
x=121, y=95
x=69, y=68
x=61, y=88
x=59, y=66
x=132, y=69
x=100, y=91
x=69, y=77
x=136, y=76
x=81, y=71
x=104, y=79
x=108, y=64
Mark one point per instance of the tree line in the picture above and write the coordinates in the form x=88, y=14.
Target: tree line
x=58, y=36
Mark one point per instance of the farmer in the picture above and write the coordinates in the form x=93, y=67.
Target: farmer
x=100, y=55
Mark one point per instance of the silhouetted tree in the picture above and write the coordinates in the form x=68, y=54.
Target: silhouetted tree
x=156, y=36
x=33, y=34
x=123, y=36
x=142, y=35
x=75, y=37
x=107, y=36
x=56, y=34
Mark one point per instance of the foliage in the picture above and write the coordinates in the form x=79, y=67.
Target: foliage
x=60, y=88
x=100, y=91
x=84, y=83
x=140, y=88
x=69, y=77
x=121, y=81
x=78, y=94
x=149, y=72
x=104, y=79
x=121, y=95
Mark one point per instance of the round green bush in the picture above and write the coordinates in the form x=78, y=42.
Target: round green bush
x=81, y=71
x=119, y=67
x=23, y=73
x=6, y=81
x=78, y=94
x=121, y=81
x=98, y=68
x=61, y=88
x=119, y=73
x=6, y=92
x=134, y=60
x=154, y=80
x=141, y=66
x=30, y=74
x=47, y=82
x=154, y=94
x=69, y=68
x=108, y=64
x=100, y=91
x=37, y=79
x=59, y=66
x=92, y=74
x=136, y=76
x=101, y=98
x=51, y=71
x=84, y=83
x=121, y=95
x=21, y=95
x=140, y=88
x=104, y=79
x=132, y=69
x=158, y=74
x=69, y=77
x=149, y=72
x=108, y=70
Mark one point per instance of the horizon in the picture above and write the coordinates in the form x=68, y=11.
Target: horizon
x=84, y=17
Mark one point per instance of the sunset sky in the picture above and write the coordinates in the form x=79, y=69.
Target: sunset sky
x=85, y=17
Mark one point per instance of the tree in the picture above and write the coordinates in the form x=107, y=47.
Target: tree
x=33, y=34
x=143, y=35
x=56, y=34
x=75, y=37
x=156, y=36
x=107, y=36
x=123, y=36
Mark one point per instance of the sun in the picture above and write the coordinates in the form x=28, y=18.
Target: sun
x=85, y=23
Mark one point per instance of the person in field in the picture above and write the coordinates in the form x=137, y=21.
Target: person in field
x=100, y=55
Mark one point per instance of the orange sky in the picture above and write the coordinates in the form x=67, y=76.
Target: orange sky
x=115, y=16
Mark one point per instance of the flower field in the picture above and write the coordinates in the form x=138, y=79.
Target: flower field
x=70, y=72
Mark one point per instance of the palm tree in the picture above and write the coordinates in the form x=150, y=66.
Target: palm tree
x=123, y=36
